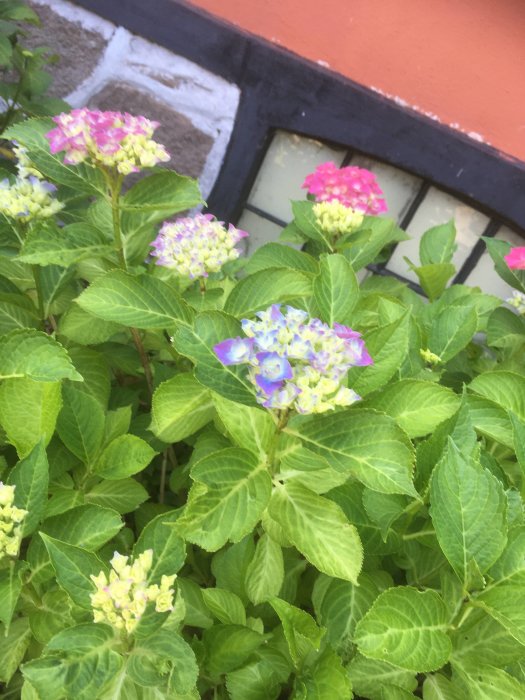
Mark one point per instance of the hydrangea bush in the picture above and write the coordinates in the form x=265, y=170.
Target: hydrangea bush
x=248, y=478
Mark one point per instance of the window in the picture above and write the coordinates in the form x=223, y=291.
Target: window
x=413, y=202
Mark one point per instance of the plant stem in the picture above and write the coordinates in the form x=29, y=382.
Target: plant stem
x=282, y=420
x=114, y=183
x=39, y=294
x=163, y=469
x=115, y=186
x=144, y=359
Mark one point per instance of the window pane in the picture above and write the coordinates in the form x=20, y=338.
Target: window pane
x=438, y=208
x=288, y=160
x=484, y=274
x=399, y=187
x=260, y=231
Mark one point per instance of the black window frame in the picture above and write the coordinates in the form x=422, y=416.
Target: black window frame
x=281, y=91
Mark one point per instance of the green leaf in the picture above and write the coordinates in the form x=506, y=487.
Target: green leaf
x=93, y=366
x=31, y=134
x=81, y=424
x=33, y=354
x=417, y=406
x=302, y=634
x=211, y=327
x=73, y=567
x=48, y=245
x=468, y=509
x=124, y=456
x=87, y=526
x=225, y=606
x=490, y=419
x=87, y=659
x=489, y=683
x=10, y=589
x=255, y=681
x=265, y=573
x=438, y=687
x=159, y=196
x=251, y=428
x=406, y=627
x=13, y=646
x=367, y=445
x=229, y=566
x=370, y=676
x=343, y=605
x=228, y=646
x=507, y=389
x=437, y=245
x=30, y=477
x=434, y=278
x=452, y=330
x=181, y=406
x=164, y=656
x=482, y=640
x=365, y=245
x=29, y=411
x=169, y=551
x=497, y=250
x=6, y=51
x=318, y=528
x=124, y=495
x=336, y=290
x=388, y=347
x=138, y=301
x=231, y=491
x=326, y=679
x=16, y=311
x=271, y=286
x=84, y=328
x=277, y=255
x=505, y=328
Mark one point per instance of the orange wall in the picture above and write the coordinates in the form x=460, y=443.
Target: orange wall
x=462, y=61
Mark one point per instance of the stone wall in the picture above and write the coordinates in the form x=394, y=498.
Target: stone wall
x=104, y=66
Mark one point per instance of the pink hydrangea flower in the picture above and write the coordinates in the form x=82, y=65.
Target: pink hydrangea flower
x=516, y=259
x=351, y=186
x=108, y=139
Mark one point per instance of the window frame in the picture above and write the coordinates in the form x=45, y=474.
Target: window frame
x=280, y=90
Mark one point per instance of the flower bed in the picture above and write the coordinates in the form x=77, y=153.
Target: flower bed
x=247, y=478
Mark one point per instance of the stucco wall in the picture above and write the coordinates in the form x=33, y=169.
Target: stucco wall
x=462, y=63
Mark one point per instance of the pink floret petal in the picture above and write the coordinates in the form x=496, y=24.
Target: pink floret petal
x=516, y=258
x=353, y=187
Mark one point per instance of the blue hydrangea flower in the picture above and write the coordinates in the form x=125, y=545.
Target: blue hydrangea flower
x=296, y=362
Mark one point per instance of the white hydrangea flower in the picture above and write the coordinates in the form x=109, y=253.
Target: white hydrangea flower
x=336, y=219
x=28, y=198
x=121, y=599
x=11, y=519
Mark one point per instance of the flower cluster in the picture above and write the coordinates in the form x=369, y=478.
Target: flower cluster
x=336, y=219
x=108, y=139
x=196, y=246
x=517, y=300
x=28, y=198
x=296, y=362
x=11, y=518
x=121, y=599
x=353, y=187
x=516, y=259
